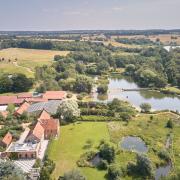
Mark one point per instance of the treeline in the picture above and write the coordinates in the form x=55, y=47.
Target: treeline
x=51, y=45
x=137, y=41
x=15, y=83
x=154, y=67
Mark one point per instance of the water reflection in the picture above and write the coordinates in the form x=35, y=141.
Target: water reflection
x=158, y=101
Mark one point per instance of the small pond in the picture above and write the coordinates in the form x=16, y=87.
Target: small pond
x=162, y=171
x=95, y=161
x=135, y=144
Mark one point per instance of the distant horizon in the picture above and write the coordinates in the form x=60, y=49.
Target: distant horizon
x=61, y=15
x=69, y=30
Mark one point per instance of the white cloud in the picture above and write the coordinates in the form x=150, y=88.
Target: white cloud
x=75, y=13
x=117, y=8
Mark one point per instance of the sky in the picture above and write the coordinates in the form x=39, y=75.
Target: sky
x=89, y=14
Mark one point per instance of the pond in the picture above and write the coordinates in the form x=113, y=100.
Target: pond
x=158, y=101
x=162, y=171
x=135, y=144
x=95, y=161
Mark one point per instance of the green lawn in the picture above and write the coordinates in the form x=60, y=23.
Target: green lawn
x=66, y=150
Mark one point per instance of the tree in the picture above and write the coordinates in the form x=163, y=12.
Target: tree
x=68, y=110
x=11, y=108
x=47, y=169
x=83, y=84
x=80, y=68
x=170, y=124
x=58, y=57
x=102, y=89
x=8, y=170
x=145, y=107
x=107, y=152
x=1, y=117
x=130, y=69
x=114, y=172
x=102, y=67
x=74, y=175
x=21, y=83
x=6, y=84
x=144, y=166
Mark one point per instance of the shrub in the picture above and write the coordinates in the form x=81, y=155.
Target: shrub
x=69, y=95
x=85, y=158
x=145, y=107
x=97, y=118
x=102, y=89
x=73, y=175
x=107, y=152
x=103, y=164
x=163, y=154
x=170, y=124
x=114, y=172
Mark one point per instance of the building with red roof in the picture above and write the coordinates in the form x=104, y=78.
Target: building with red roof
x=5, y=100
x=44, y=115
x=6, y=141
x=51, y=127
x=25, y=95
x=23, y=108
x=36, y=134
x=54, y=95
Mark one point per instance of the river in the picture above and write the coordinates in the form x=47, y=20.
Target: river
x=158, y=100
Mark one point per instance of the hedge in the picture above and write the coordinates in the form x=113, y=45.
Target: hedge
x=97, y=118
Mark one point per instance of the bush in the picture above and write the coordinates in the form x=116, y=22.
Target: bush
x=107, y=152
x=145, y=107
x=74, y=175
x=69, y=95
x=103, y=164
x=114, y=172
x=97, y=118
x=163, y=154
x=102, y=89
x=170, y=124
x=85, y=158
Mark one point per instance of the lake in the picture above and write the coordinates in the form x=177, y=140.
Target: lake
x=158, y=100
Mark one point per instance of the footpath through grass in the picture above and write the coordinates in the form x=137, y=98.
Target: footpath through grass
x=66, y=150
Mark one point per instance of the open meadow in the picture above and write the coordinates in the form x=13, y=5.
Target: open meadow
x=25, y=60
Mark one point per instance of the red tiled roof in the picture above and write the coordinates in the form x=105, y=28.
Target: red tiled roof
x=44, y=115
x=49, y=124
x=38, y=131
x=54, y=95
x=25, y=95
x=4, y=100
x=4, y=114
x=22, y=108
x=34, y=100
x=7, y=139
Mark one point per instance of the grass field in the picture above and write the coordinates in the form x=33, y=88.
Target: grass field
x=153, y=132
x=66, y=150
x=27, y=59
